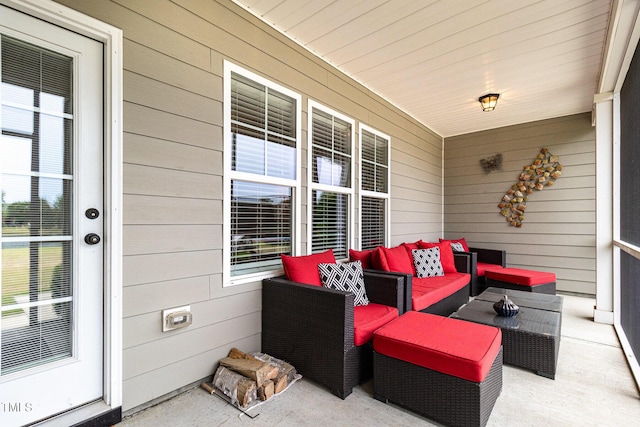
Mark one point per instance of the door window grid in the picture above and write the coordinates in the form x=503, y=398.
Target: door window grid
x=35, y=178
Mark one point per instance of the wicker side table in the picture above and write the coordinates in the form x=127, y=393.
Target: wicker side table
x=530, y=340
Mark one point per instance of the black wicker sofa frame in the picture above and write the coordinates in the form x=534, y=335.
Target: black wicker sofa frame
x=311, y=327
x=489, y=256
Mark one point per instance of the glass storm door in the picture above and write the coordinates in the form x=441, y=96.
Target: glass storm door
x=51, y=275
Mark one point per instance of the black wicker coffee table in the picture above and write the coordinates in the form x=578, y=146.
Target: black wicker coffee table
x=531, y=339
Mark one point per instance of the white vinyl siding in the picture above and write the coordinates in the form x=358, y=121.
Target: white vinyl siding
x=261, y=175
x=331, y=168
x=559, y=230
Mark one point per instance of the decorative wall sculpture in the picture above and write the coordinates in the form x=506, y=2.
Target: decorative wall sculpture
x=542, y=173
x=491, y=163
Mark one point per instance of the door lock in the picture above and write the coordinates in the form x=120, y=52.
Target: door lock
x=92, y=213
x=92, y=239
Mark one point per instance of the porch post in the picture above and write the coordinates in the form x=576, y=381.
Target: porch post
x=604, y=123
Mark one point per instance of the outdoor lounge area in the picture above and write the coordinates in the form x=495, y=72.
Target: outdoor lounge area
x=593, y=387
x=232, y=193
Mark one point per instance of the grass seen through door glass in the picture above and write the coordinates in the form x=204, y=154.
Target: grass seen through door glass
x=16, y=268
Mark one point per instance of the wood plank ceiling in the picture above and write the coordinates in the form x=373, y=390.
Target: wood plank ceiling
x=434, y=58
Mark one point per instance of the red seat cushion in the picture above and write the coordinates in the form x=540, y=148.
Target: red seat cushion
x=450, y=346
x=519, y=276
x=368, y=318
x=429, y=290
x=304, y=269
x=446, y=255
x=483, y=267
x=461, y=241
x=363, y=256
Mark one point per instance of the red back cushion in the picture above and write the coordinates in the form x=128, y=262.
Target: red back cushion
x=363, y=256
x=397, y=259
x=461, y=241
x=379, y=260
x=304, y=269
x=410, y=247
x=446, y=255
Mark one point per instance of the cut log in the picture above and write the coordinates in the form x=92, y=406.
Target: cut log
x=266, y=391
x=241, y=390
x=234, y=353
x=280, y=383
x=208, y=387
x=258, y=371
x=286, y=371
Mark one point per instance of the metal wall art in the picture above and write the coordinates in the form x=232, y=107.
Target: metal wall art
x=543, y=172
x=491, y=163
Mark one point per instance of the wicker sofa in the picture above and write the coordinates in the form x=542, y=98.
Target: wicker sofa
x=440, y=295
x=312, y=327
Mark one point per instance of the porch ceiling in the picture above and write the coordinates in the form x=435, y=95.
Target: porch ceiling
x=434, y=58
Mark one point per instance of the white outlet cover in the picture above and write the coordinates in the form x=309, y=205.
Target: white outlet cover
x=167, y=312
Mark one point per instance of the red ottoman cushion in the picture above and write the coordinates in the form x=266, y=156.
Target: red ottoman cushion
x=519, y=276
x=454, y=347
x=483, y=267
x=368, y=318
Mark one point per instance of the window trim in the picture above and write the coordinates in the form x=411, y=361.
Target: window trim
x=374, y=194
x=230, y=175
x=349, y=191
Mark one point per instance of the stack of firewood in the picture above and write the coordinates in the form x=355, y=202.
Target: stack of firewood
x=249, y=378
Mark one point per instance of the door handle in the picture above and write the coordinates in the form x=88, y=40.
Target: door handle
x=92, y=239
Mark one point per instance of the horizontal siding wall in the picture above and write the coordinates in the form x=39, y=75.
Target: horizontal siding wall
x=173, y=183
x=558, y=233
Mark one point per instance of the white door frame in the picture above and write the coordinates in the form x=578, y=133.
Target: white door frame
x=111, y=37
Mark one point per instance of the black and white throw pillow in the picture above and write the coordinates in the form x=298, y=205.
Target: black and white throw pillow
x=427, y=262
x=457, y=247
x=345, y=277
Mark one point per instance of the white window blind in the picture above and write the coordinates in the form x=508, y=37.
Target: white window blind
x=375, y=162
x=374, y=188
x=331, y=142
x=263, y=127
x=331, y=169
x=262, y=176
x=36, y=182
x=260, y=226
x=373, y=222
x=330, y=223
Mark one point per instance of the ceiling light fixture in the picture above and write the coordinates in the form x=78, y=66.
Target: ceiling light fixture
x=489, y=101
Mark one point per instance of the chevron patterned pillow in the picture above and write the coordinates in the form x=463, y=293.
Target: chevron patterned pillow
x=345, y=277
x=427, y=262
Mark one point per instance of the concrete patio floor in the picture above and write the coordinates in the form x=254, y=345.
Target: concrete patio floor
x=593, y=387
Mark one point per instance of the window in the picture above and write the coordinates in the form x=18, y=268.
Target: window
x=261, y=180
x=330, y=180
x=374, y=188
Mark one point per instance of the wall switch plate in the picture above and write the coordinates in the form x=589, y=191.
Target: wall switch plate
x=176, y=318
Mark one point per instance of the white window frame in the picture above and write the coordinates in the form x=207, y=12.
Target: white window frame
x=230, y=175
x=349, y=191
x=374, y=194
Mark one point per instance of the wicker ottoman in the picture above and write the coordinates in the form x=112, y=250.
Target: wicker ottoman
x=447, y=370
x=522, y=280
